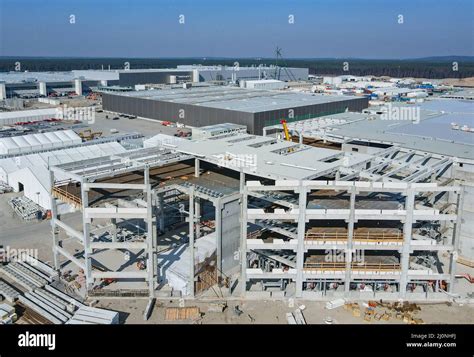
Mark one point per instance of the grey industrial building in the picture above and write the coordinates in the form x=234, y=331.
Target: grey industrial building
x=214, y=105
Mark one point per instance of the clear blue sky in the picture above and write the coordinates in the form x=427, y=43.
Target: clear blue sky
x=236, y=28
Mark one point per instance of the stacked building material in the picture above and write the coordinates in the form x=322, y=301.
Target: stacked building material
x=26, y=208
x=92, y=315
x=8, y=292
x=4, y=187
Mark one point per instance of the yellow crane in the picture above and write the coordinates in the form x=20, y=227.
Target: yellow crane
x=285, y=130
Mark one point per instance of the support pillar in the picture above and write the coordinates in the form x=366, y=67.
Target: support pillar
x=87, y=237
x=242, y=180
x=407, y=234
x=114, y=229
x=161, y=213
x=150, y=266
x=197, y=212
x=191, y=240
x=456, y=239
x=243, y=242
x=301, y=235
x=350, y=244
x=218, y=228
x=196, y=167
x=54, y=230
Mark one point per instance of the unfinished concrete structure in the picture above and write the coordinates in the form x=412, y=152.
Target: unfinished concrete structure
x=264, y=217
x=343, y=248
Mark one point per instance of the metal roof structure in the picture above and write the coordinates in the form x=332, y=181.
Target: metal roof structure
x=432, y=133
x=33, y=77
x=40, y=141
x=233, y=98
x=265, y=156
x=27, y=115
x=118, y=163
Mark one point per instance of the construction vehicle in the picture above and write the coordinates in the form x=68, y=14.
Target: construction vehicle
x=285, y=130
x=88, y=134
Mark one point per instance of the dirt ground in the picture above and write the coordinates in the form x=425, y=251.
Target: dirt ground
x=17, y=233
x=274, y=312
x=461, y=82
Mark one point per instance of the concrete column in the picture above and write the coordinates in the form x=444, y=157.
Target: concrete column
x=114, y=229
x=300, y=138
x=42, y=88
x=197, y=212
x=243, y=242
x=407, y=234
x=264, y=132
x=456, y=239
x=150, y=266
x=195, y=76
x=191, y=240
x=350, y=245
x=196, y=167
x=87, y=238
x=54, y=215
x=3, y=91
x=218, y=214
x=161, y=214
x=242, y=180
x=301, y=235
x=78, y=86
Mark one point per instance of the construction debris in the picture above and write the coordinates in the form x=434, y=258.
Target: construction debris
x=5, y=188
x=26, y=208
x=400, y=311
x=296, y=318
x=237, y=310
x=217, y=307
x=182, y=313
x=335, y=304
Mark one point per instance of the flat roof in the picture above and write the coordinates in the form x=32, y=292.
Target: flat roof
x=239, y=99
x=34, y=77
x=265, y=157
x=433, y=133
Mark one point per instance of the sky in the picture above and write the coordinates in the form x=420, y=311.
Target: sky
x=237, y=28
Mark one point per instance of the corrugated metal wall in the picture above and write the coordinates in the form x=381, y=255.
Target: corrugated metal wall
x=200, y=116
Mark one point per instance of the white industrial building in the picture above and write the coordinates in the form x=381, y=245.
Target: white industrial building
x=24, y=144
x=263, y=84
x=30, y=173
x=8, y=118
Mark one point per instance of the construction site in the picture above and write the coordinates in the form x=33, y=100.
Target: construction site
x=334, y=207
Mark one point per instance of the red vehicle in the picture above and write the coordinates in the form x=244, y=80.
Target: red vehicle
x=166, y=123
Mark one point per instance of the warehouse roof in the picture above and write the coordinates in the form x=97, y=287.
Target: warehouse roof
x=33, y=77
x=239, y=99
x=264, y=156
x=433, y=133
x=57, y=157
x=40, y=141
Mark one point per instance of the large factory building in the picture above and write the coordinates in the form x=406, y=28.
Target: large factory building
x=202, y=106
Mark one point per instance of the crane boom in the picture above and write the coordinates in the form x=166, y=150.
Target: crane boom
x=285, y=130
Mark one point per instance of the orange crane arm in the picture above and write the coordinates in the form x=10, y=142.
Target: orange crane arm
x=285, y=129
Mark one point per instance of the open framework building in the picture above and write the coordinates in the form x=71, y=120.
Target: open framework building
x=265, y=217
x=216, y=105
x=441, y=129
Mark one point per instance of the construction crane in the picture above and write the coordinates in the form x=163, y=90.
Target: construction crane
x=285, y=130
x=279, y=59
